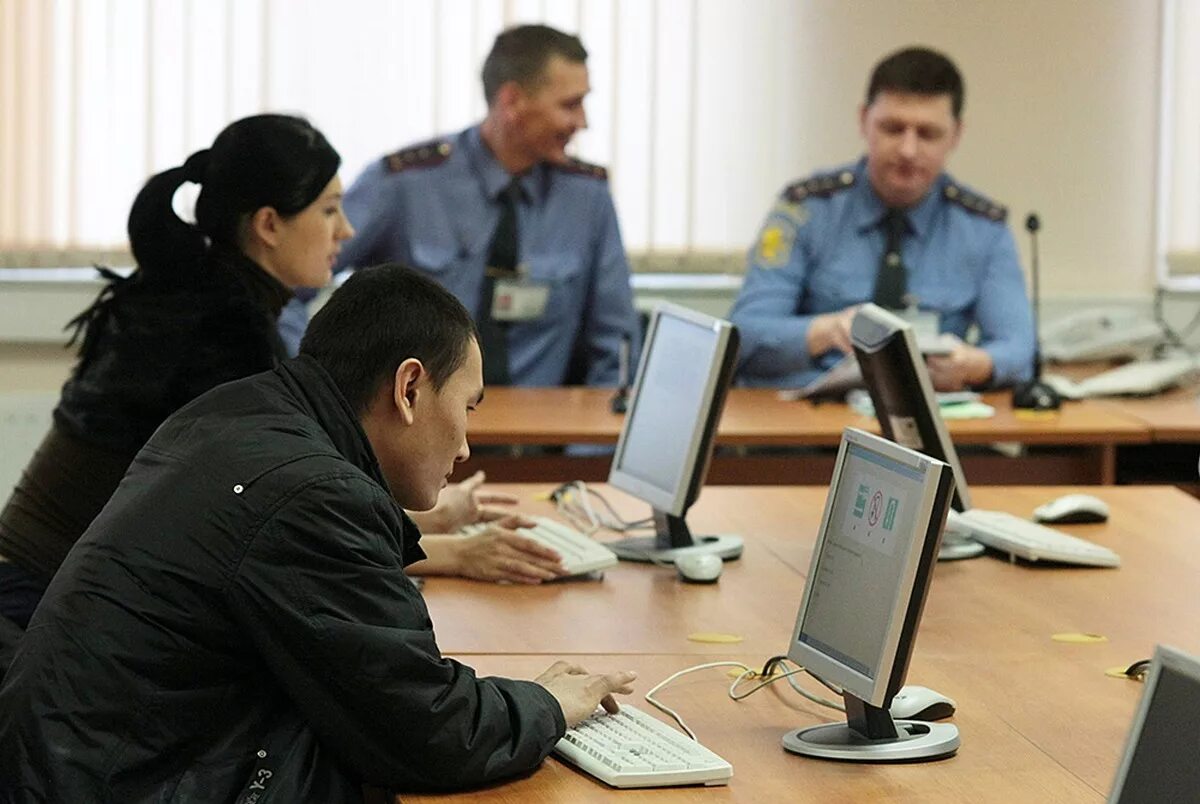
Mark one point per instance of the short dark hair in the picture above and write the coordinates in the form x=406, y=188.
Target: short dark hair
x=921, y=71
x=379, y=318
x=520, y=54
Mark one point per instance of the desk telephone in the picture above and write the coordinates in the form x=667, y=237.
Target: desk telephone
x=1099, y=334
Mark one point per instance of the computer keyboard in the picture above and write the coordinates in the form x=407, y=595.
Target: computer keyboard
x=634, y=749
x=1139, y=378
x=580, y=554
x=1021, y=538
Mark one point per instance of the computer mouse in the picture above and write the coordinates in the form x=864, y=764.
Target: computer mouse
x=699, y=567
x=1072, y=508
x=920, y=703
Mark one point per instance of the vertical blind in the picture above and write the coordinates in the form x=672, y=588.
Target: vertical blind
x=1179, y=140
x=96, y=95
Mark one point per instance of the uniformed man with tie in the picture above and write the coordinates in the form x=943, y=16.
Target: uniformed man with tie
x=893, y=228
x=523, y=235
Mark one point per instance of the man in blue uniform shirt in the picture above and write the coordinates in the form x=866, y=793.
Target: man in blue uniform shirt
x=548, y=283
x=895, y=229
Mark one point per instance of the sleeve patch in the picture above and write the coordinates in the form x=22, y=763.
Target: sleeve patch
x=778, y=237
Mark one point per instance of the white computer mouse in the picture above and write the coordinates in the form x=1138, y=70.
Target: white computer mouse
x=699, y=567
x=920, y=703
x=1072, y=508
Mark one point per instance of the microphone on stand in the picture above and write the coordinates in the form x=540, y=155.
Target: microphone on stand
x=620, y=400
x=1035, y=394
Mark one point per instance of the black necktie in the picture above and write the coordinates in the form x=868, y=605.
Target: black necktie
x=891, y=284
x=501, y=263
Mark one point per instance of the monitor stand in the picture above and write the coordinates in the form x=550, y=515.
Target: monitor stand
x=870, y=735
x=673, y=539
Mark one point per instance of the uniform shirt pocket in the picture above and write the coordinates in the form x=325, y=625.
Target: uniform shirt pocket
x=434, y=258
x=563, y=275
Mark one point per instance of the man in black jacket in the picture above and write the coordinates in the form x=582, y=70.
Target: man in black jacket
x=237, y=624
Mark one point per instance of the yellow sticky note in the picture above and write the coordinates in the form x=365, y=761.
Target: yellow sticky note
x=713, y=637
x=1080, y=639
x=1035, y=415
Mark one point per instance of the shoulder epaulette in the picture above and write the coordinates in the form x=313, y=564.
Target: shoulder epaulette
x=426, y=154
x=578, y=167
x=820, y=186
x=974, y=203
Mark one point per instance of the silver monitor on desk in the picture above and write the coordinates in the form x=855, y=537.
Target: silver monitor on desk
x=870, y=572
x=663, y=454
x=905, y=405
x=1159, y=763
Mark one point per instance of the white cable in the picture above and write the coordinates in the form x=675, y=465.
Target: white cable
x=649, y=696
x=733, y=693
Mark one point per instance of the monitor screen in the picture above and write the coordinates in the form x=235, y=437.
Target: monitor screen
x=663, y=454
x=898, y=382
x=661, y=428
x=1160, y=757
x=871, y=565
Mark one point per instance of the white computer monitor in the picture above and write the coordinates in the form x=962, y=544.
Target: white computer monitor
x=866, y=589
x=666, y=442
x=1159, y=763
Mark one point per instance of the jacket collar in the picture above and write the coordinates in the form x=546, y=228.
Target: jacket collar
x=267, y=291
x=315, y=390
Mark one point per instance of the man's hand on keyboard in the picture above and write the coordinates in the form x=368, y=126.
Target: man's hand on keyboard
x=500, y=554
x=579, y=692
x=462, y=504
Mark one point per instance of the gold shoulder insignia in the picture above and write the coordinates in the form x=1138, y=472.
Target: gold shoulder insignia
x=426, y=154
x=819, y=186
x=578, y=167
x=974, y=203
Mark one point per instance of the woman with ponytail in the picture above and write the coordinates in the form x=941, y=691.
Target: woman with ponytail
x=199, y=310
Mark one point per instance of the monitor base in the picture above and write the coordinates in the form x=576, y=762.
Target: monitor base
x=917, y=742
x=646, y=548
x=957, y=545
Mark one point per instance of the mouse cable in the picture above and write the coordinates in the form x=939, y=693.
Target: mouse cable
x=747, y=672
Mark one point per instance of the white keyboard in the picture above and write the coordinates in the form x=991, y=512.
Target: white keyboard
x=1021, y=538
x=580, y=554
x=633, y=749
x=1139, y=378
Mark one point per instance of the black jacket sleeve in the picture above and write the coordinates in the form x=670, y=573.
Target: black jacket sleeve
x=323, y=595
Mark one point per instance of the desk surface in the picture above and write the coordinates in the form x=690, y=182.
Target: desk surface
x=1173, y=417
x=758, y=417
x=1039, y=719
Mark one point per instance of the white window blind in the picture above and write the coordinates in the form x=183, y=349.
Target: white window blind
x=1179, y=146
x=96, y=95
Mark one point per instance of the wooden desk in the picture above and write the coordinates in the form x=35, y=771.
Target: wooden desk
x=1039, y=719
x=1077, y=445
x=1173, y=417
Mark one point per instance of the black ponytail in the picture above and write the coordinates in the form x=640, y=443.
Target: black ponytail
x=161, y=242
